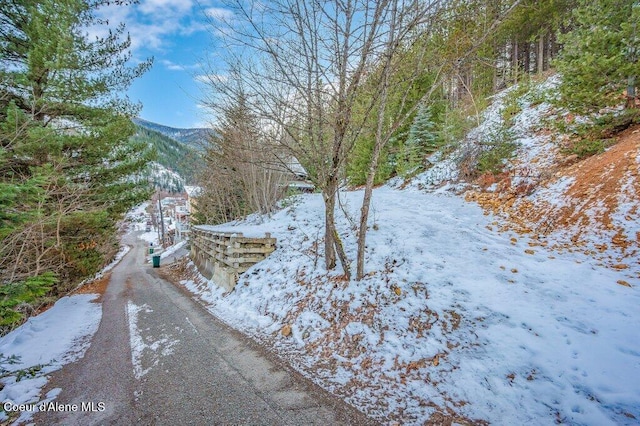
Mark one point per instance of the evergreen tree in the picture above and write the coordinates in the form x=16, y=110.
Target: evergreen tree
x=245, y=171
x=67, y=167
x=422, y=130
x=421, y=141
x=409, y=83
x=600, y=59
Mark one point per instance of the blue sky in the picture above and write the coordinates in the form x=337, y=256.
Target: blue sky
x=176, y=33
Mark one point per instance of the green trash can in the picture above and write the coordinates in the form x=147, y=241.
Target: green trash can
x=150, y=250
x=156, y=261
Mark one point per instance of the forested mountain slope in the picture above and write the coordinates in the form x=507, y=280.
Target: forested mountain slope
x=195, y=138
x=176, y=163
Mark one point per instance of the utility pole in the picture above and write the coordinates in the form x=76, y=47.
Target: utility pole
x=161, y=219
x=155, y=224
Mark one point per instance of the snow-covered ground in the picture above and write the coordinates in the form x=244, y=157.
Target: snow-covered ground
x=536, y=151
x=453, y=317
x=47, y=342
x=458, y=316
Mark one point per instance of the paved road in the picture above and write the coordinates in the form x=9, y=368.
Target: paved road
x=158, y=358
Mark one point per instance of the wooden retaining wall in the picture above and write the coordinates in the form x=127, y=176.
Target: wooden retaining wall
x=223, y=256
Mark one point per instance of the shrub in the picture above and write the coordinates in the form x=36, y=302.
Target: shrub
x=594, y=135
x=495, y=151
x=493, y=160
x=14, y=295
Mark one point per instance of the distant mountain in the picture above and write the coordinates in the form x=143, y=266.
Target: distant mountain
x=195, y=137
x=176, y=162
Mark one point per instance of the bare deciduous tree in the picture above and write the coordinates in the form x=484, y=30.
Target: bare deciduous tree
x=321, y=72
x=404, y=20
x=303, y=66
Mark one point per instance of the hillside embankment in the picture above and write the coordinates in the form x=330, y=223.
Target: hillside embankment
x=590, y=205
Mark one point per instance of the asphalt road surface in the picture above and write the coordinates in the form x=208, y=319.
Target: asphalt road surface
x=159, y=358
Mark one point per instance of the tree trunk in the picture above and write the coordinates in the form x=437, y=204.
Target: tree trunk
x=380, y=141
x=344, y=261
x=631, y=92
x=364, y=211
x=526, y=57
x=551, y=46
x=540, y=55
x=332, y=241
x=496, y=80
x=329, y=195
x=514, y=61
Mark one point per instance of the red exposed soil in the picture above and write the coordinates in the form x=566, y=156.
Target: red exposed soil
x=98, y=286
x=595, y=213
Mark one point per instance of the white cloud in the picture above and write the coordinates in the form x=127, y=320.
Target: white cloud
x=152, y=22
x=172, y=66
x=113, y=14
x=150, y=36
x=164, y=7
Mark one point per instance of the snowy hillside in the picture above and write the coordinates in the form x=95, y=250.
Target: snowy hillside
x=470, y=311
x=165, y=179
x=62, y=334
x=550, y=196
x=453, y=319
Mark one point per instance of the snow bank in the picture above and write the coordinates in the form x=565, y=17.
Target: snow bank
x=52, y=339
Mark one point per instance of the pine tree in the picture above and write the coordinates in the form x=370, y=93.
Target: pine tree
x=244, y=170
x=421, y=141
x=14, y=294
x=422, y=130
x=67, y=167
x=600, y=59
